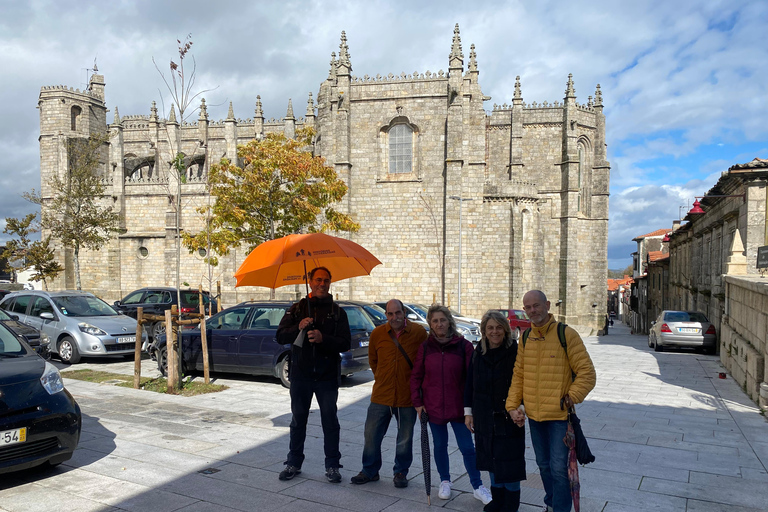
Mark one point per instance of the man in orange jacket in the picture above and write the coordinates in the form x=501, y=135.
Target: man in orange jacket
x=549, y=378
x=391, y=352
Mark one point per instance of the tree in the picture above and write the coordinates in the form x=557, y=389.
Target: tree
x=22, y=254
x=281, y=189
x=72, y=214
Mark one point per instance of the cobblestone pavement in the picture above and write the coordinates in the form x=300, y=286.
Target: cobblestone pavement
x=668, y=434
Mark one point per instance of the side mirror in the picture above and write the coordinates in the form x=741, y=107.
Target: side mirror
x=412, y=316
x=653, y=322
x=14, y=317
x=45, y=315
x=118, y=303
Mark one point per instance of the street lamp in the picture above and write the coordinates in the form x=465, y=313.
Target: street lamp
x=461, y=201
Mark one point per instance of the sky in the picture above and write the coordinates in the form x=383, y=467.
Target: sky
x=684, y=83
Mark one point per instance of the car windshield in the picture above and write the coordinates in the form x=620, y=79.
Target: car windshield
x=4, y=316
x=83, y=305
x=376, y=312
x=421, y=310
x=10, y=345
x=685, y=316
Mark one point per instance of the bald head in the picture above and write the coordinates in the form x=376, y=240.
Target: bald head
x=536, y=306
x=395, y=314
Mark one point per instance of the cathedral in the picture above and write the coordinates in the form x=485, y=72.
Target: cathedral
x=463, y=206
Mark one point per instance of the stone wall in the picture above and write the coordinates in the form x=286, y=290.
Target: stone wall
x=743, y=335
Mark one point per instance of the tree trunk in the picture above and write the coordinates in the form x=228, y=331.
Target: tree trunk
x=76, y=261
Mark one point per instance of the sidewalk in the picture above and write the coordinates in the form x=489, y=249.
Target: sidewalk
x=668, y=434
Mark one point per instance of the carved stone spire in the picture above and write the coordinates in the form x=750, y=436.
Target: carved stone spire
x=456, y=45
x=598, y=97
x=231, y=113
x=203, y=110
x=153, y=112
x=310, y=106
x=172, y=115
x=344, y=51
x=518, y=92
x=569, y=90
x=472, y=59
x=258, y=112
x=117, y=115
x=289, y=114
x=332, y=72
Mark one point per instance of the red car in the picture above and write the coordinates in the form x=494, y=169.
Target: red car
x=518, y=321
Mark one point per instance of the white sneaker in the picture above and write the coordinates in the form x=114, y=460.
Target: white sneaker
x=483, y=494
x=445, y=490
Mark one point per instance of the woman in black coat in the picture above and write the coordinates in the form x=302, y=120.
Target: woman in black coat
x=500, y=443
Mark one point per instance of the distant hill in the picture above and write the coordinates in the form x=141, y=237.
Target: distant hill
x=618, y=274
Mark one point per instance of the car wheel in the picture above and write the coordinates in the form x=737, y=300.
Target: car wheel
x=710, y=350
x=650, y=345
x=68, y=352
x=658, y=347
x=158, y=328
x=517, y=333
x=162, y=361
x=281, y=371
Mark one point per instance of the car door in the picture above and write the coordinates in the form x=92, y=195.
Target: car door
x=258, y=347
x=19, y=307
x=40, y=305
x=130, y=303
x=223, y=332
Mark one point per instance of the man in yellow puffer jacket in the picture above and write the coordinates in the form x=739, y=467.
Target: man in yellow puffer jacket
x=544, y=381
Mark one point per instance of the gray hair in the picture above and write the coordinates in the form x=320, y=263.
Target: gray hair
x=497, y=317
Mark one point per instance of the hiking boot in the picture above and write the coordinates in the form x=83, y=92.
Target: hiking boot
x=289, y=472
x=400, y=480
x=483, y=494
x=445, y=490
x=333, y=475
x=362, y=478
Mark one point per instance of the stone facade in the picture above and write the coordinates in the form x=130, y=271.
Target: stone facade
x=531, y=181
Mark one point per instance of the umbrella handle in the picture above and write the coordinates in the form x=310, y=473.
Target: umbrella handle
x=306, y=284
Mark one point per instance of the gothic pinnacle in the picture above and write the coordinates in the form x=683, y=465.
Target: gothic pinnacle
x=203, y=110
x=289, y=114
x=172, y=115
x=332, y=72
x=472, y=58
x=569, y=90
x=153, y=112
x=259, y=112
x=231, y=113
x=598, y=96
x=344, y=51
x=117, y=117
x=456, y=45
x=310, y=106
x=518, y=93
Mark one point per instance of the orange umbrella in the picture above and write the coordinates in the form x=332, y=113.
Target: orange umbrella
x=285, y=261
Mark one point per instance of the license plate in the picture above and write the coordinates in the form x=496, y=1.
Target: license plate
x=363, y=343
x=18, y=435
x=692, y=330
x=126, y=339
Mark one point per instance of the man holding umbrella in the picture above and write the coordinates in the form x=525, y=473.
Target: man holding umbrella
x=391, y=352
x=315, y=368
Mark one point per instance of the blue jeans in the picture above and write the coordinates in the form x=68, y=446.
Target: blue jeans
x=512, y=486
x=326, y=392
x=552, y=459
x=466, y=446
x=376, y=425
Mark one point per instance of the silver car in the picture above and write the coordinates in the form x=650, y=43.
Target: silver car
x=470, y=331
x=77, y=323
x=683, y=329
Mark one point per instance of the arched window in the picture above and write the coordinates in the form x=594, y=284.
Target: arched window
x=400, y=149
x=75, y=114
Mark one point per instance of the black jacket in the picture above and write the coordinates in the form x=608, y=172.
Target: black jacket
x=316, y=361
x=500, y=444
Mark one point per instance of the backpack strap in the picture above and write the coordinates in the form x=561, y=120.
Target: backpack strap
x=525, y=335
x=561, y=336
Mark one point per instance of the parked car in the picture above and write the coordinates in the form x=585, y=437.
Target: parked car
x=77, y=323
x=518, y=321
x=241, y=339
x=463, y=318
x=682, y=329
x=411, y=314
x=39, y=341
x=39, y=420
x=156, y=300
x=377, y=314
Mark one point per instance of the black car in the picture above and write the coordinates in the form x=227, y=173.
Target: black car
x=241, y=339
x=39, y=420
x=37, y=340
x=158, y=299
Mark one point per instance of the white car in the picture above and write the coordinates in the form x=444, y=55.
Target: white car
x=77, y=323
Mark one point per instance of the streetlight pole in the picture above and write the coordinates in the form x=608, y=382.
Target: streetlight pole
x=461, y=201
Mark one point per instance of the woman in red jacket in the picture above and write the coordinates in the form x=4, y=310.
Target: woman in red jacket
x=437, y=386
